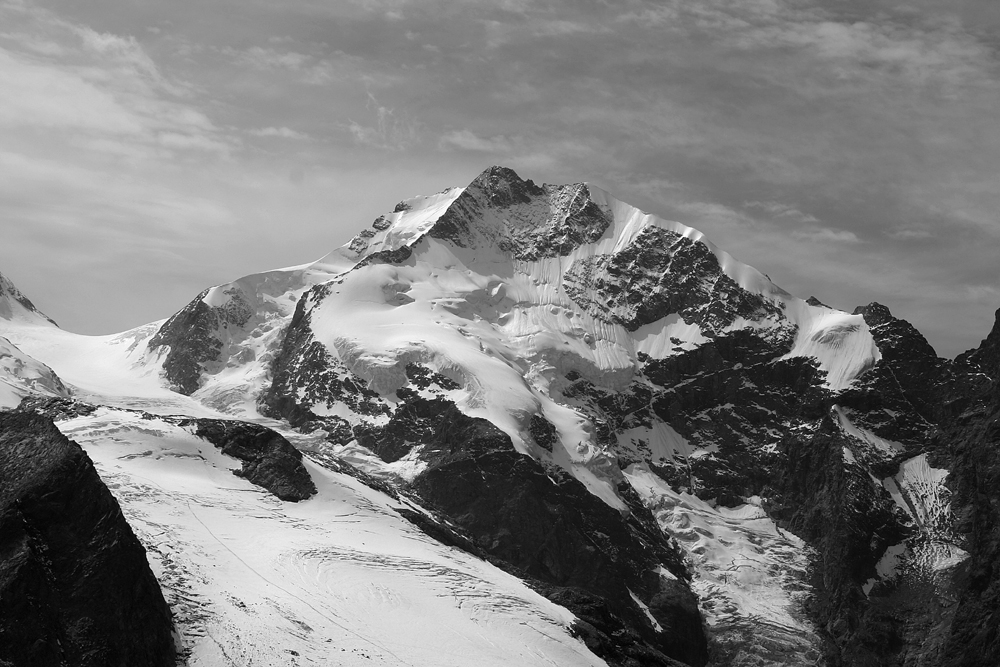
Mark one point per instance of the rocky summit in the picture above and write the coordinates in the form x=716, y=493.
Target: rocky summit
x=513, y=423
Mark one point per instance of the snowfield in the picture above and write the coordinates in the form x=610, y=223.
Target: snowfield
x=339, y=579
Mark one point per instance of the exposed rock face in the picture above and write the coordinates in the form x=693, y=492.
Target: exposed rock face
x=987, y=356
x=269, y=460
x=545, y=524
x=850, y=522
x=306, y=376
x=189, y=334
x=526, y=220
x=975, y=639
x=909, y=364
x=732, y=395
x=662, y=273
x=896, y=491
x=229, y=326
x=813, y=301
x=75, y=587
x=57, y=409
x=975, y=441
x=536, y=521
x=828, y=464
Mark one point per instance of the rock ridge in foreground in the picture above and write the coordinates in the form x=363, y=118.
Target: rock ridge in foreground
x=75, y=585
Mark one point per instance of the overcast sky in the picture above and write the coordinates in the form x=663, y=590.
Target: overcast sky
x=850, y=149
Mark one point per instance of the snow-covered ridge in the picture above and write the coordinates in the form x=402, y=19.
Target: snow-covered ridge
x=530, y=251
x=16, y=307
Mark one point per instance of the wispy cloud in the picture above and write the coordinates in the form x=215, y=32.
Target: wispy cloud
x=388, y=130
x=268, y=58
x=99, y=88
x=909, y=233
x=780, y=210
x=307, y=68
x=467, y=140
x=826, y=235
x=280, y=132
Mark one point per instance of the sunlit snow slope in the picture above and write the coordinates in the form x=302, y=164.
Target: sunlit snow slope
x=340, y=579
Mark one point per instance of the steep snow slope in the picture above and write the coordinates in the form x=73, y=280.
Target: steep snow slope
x=338, y=579
x=22, y=375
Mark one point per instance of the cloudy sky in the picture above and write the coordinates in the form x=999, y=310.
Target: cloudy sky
x=849, y=149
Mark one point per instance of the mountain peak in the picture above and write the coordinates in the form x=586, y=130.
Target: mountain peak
x=813, y=301
x=874, y=313
x=504, y=188
x=987, y=355
x=529, y=221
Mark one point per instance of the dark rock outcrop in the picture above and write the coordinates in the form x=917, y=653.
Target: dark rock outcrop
x=537, y=221
x=194, y=337
x=909, y=364
x=269, y=460
x=57, y=409
x=813, y=301
x=987, y=356
x=536, y=521
x=829, y=492
x=850, y=522
x=189, y=335
x=75, y=586
x=975, y=639
x=543, y=523
x=416, y=418
x=974, y=439
x=662, y=273
x=305, y=375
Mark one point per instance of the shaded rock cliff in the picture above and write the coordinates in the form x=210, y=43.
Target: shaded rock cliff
x=269, y=460
x=75, y=586
x=974, y=438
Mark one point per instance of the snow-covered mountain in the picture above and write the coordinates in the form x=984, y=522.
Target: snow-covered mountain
x=564, y=430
